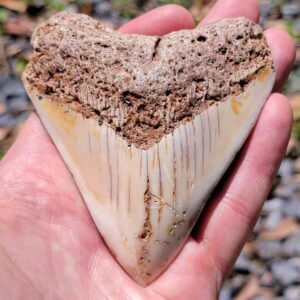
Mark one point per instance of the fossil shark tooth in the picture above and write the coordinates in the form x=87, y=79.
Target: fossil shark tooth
x=147, y=125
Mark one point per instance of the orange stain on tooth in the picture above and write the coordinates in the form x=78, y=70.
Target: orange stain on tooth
x=64, y=119
x=245, y=96
x=262, y=76
x=236, y=106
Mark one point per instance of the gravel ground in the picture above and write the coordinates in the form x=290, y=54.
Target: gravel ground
x=269, y=266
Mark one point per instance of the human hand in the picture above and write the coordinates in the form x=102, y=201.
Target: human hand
x=49, y=245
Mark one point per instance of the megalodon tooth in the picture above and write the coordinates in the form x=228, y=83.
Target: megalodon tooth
x=147, y=125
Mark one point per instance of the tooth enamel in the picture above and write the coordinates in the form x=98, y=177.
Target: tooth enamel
x=146, y=199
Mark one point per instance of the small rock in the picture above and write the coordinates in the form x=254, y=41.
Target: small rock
x=290, y=10
x=226, y=293
x=103, y=9
x=267, y=298
x=237, y=282
x=286, y=168
x=252, y=289
x=286, y=272
x=12, y=87
x=292, y=293
x=285, y=191
x=296, y=262
x=262, y=298
x=284, y=229
x=291, y=247
x=292, y=145
x=272, y=220
x=242, y=264
x=258, y=267
x=258, y=225
x=72, y=7
x=266, y=8
x=268, y=249
x=4, y=131
x=297, y=165
x=3, y=108
x=6, y=121
x=274, y=204
x=292, y=208
x=266, y=280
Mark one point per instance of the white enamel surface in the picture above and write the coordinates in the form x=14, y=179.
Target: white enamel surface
x=182, y=169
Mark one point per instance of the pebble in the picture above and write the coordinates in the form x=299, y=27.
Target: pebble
x=242, y=264
x=266, y=9
x=103, y=9
x=290, y=10
x=292, y=208
x=258, y=267
x=266, y=279
x=12, y=87
x=262, y=298
x=226, y=293
x=297, y=165
x=286, y=169
x=237, y=282
x=285, y=191
x=272, y=220
x=6, y=120
x=258, y=225
x=286, y=272
x=72, y=8
x=291, y=247
x=3, y=107
x=292, y=293
x=274, y=204
x=268, y=249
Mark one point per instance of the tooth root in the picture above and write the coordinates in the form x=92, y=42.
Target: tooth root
x=145, y=202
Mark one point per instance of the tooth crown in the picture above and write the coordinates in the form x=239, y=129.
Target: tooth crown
x=145, y=188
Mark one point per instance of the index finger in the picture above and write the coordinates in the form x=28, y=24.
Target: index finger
x=160, y=21
x=231, y=9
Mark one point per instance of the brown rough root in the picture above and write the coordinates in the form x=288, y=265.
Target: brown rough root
x=143, y=86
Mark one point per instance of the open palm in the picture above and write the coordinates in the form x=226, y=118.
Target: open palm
x=49, y=245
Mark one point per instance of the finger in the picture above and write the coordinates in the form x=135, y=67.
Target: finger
x=160, y=21
x=32, y=138
x=236, y=206
x=34, y=153
x=232, y=8
x=283, y=56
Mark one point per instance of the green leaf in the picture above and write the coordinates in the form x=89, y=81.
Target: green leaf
x=4, y=15
x=20, y=66
x=291, y=28
x=185, y=3
x=1, y=154
x=57, y=5
x=296, y=130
